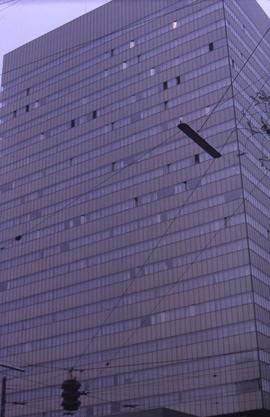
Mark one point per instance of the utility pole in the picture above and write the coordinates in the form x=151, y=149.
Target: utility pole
x=4, y=387
x=3, y=396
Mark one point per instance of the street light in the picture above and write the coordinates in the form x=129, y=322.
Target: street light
x=185, y=128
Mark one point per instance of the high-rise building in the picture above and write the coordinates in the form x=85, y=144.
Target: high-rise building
x=130, y=258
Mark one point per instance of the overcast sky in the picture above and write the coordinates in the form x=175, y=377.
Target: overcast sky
x=24, y=20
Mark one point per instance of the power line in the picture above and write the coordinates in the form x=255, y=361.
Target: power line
x=223, y=145
x=216, y=372
x=82, y=44
x=246, y=365
x=108, y=316
x=73, y=200
x=225, y=374
x=2, y=2
x=206, y=120
x=98, y=185
x=250, y=114
x=70, y=203
x=139, y=364
x=219, y=396
x=189, y=266
x=143, y=407
x=135, y=365
x=10, y=5
x=243, y=89
x=165, y=362
x=4, y=243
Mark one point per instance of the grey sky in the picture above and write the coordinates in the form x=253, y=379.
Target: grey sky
x=24, y=20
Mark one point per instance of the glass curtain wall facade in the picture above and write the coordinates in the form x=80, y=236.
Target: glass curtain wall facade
x=129, y=257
